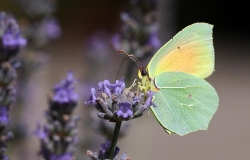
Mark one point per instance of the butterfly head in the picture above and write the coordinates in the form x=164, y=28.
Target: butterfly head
x=142, y=73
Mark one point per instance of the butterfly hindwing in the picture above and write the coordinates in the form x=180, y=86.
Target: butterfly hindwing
x=185, y=103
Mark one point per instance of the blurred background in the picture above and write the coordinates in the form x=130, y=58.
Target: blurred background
x=82, y=43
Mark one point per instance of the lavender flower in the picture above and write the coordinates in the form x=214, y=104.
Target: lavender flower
x=4, y=115
x=58, y=138
x=10, y=38
x=92, y=98
x=10, y=43
x=105, y=149
x=138, y=34
x=103, y=153
x=117, y=103
x=51, y=28
x=125, y=157
x=43, y=31
x=64, y=95
x=3, y=141
x=7, y=96
x=109, y=88
x=124, y=111
x=62, y=157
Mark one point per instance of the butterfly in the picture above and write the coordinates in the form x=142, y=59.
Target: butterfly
x=185, y=101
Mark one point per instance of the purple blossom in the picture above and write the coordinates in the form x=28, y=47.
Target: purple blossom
x=118, y=87
x=4, y=157
x=105, y=147
x=124, y=112
x=64, y=92
x=41, y=132
x=124, y=157
x=51, y=28
x=117, y=103
x=92, y=98
x=11, y=39
x=105, y=87
x=109, y=88
x=105, y=150
x=4, y=115
x=9, y=32
x=149, y=102
x=66, y=156
x=154, y=41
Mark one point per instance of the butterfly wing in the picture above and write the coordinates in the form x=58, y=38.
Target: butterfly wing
x=185, y=103
x=191, y=51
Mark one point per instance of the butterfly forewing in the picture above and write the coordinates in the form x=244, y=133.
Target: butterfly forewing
x=191, y=51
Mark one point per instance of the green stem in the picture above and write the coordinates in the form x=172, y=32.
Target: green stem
x=114, y=140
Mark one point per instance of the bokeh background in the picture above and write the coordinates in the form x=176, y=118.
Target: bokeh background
x=84, y=48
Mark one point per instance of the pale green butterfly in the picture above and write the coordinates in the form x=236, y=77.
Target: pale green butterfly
x=185, y=101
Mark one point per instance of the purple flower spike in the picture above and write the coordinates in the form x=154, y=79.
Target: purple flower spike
x=138, y=33
x=124, y=111
x=58, y=138
x=10, y=37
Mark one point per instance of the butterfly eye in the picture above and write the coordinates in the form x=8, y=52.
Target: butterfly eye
x=144, y=73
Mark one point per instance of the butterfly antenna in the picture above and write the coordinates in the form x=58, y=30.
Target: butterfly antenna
x=133, y=59
x=120, y=68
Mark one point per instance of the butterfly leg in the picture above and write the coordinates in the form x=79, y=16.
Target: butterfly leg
x=133, y=84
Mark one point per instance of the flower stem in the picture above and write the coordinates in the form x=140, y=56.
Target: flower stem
x=114, y=140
